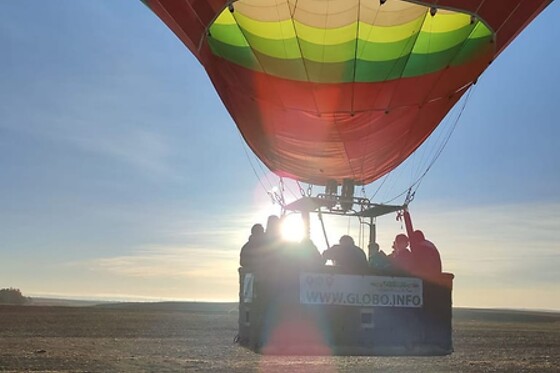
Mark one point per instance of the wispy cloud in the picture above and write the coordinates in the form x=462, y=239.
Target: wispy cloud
x=166, y=272
x=168, y=263
x=96, y=113
x=145, y=150
x=229, y=227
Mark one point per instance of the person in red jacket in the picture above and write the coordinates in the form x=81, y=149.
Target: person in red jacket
x=425, y=255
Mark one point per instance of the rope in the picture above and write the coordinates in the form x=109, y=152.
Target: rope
x=416, y=184
x=243, y=145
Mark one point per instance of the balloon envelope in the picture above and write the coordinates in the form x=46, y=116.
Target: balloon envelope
x=342, y=89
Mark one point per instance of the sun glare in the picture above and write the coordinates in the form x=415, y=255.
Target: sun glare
x=292, y=228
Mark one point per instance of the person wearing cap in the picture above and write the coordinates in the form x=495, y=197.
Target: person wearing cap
x=346, y=255
x=426, y=258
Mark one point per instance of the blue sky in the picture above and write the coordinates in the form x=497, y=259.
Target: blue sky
x=123, y=176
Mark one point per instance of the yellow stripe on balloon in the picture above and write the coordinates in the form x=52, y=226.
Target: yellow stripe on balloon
x=325, y=36
x=378, y=34
x=445, y=22
x=225, y=18
x=276, y=30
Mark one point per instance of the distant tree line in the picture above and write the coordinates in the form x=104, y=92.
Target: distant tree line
x=12, y=296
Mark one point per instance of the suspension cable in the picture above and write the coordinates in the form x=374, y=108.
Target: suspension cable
x=243, y=145
x=416, y=184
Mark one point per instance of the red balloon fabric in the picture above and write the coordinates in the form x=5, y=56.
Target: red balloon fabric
x=342, y=89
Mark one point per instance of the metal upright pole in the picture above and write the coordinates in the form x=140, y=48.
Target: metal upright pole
x=372, y=231
x=372, y=239
x=306, y=224
x=408, y=223
x=323, y=227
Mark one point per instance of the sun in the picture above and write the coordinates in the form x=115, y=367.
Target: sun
x=292, y=228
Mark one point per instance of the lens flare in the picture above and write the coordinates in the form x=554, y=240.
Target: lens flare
x=292, y=228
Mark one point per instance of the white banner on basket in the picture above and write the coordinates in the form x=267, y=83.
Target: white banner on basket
x=363, y=291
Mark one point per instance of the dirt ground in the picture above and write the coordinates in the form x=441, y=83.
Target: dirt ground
x=198, y=339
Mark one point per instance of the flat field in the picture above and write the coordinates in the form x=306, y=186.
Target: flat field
x=198, y=337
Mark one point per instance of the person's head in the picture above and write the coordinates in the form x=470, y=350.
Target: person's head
x=346, y=241
x=257, y=230
x=273, y=225
x=418, y=236
x=401, y=242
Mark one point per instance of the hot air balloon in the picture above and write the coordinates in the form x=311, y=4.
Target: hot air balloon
x=340, y=92
x=342, y=89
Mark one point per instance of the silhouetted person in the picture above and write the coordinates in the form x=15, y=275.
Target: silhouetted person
x=251, y=252
x=378, y=260
x=347, y=255
x=308, y=256
x=401, y=258
x=273, y=229
x=275, y=246
x=426, y=258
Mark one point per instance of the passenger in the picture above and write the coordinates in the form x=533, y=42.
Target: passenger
x=347, y=255
x=378, y=260
x=309, y=255
x=274, y=250
x=401, y=258
x=251, y=252
x=273, y=229
x=426, y=258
